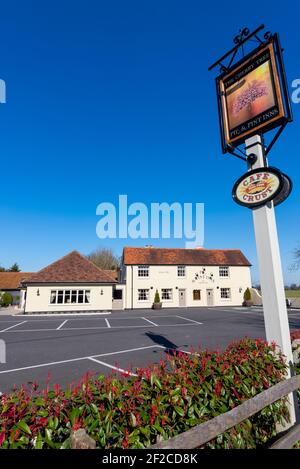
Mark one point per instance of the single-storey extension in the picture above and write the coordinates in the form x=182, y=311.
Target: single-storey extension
x=73, y=283
x=10, y=282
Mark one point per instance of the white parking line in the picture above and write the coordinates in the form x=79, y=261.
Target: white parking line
x=105, y=328
x=15, y=325
x=107, y=322
x=61, y=362
x=111, y=366
x=62, y=324
x=151, y=322
x=187, y=319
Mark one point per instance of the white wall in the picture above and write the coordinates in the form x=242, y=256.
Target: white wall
x=166, y=277
x=41, y=302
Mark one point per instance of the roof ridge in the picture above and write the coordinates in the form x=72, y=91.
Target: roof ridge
x=94, y=265
x=75, y=265
x=183, y=249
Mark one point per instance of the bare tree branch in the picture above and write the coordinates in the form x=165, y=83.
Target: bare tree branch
x=105, y=259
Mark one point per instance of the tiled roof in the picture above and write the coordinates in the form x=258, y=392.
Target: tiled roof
x=163, y=256
x=12, y=280
x=114, y=274
x=73, y=268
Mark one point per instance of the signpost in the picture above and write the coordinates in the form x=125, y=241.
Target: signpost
x=253, y=99
x=271, y=278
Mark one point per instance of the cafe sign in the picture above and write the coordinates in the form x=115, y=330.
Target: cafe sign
x=259, y=186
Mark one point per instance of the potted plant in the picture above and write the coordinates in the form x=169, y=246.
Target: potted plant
x=247, y=298
x=157, y=303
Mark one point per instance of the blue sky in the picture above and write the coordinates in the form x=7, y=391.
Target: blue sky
x=109, y=98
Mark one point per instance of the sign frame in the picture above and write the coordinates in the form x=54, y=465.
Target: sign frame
x=267, y=169
x=278, y=83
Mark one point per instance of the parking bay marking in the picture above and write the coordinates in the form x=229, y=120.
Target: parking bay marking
x=192, y=320
x=15, y=325
x=61, y=325
x=61, y=362
x=105, y=327
x=112, y=367
x=151, y=322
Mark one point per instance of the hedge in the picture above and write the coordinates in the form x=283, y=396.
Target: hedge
x=121, y=411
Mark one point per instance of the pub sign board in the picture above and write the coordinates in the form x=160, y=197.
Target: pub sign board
x=250, y=95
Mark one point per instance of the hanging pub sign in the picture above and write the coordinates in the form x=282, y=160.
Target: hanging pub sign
x=259, y=186
x=252, y=98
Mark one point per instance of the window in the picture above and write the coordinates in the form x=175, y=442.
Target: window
x=117, y=294
x=60, y=296
x=74, y=296
x=196, y=295
x=181, y=271
x=166, y=294
x=143, y=294
x=225, y=293
x=53, y=297
x=80, y=296
x=143, y=271
x=69, y=296
x=224, y=271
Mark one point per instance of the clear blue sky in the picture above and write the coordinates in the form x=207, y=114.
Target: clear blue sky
x=108, y=98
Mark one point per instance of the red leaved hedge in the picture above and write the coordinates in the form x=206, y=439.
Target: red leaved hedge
x=162, y=401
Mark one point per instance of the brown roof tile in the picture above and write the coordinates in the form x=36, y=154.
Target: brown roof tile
x=163, y=256
x=114, y=274
x=12, y=280
x=72, y=268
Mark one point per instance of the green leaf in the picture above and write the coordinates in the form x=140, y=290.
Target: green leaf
x=133, y=419
x=22, y=425
x=180, y=411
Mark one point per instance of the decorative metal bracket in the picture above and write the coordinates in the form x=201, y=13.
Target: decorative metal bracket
x=243, y=36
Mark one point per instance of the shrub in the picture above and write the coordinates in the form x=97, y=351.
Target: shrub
x=247, y=295
x=6, y=299
x=156, y=297
x=161, y=402
x=295, y=334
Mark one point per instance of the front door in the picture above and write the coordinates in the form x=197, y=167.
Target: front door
x=210, y=297
x=182, y=301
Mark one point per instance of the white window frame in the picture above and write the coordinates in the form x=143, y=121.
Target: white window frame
x=143, y=270
x=169, y=291
x=224, y=271
x=146, y=292
x=225, y=297
x=86, y=294
x=180, y=269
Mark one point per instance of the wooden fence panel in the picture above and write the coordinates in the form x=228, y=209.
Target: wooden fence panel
x=203, y=433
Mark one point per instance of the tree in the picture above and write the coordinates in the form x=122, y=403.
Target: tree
x=296, y=263
x=14, y=268
x=6, y=299
x=247, y=295
x=156, y=297
x=105, y=259
x=2, y=269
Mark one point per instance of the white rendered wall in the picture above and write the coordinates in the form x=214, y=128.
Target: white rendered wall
x=166, y=277
x=41, y=302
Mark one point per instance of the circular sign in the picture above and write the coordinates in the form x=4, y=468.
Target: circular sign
x=259, y=186
x=285, y=191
